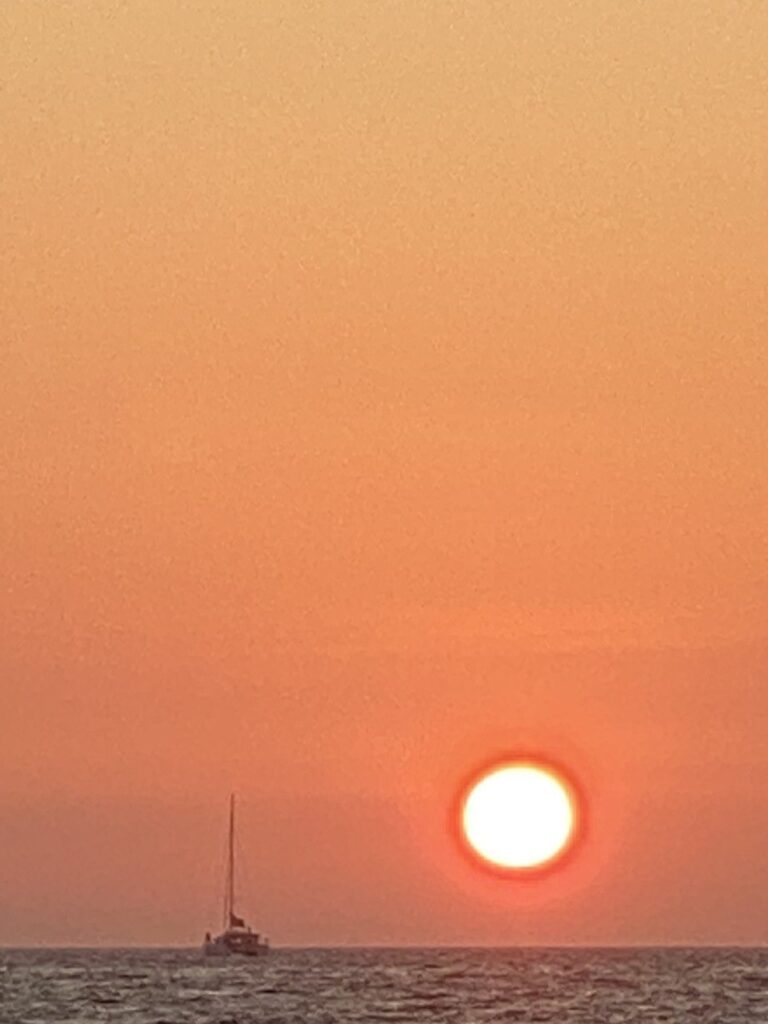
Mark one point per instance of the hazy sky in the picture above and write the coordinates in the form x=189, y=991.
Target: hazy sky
x=382, y=385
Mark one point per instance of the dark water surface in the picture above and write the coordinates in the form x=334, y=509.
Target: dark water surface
x=567, y=986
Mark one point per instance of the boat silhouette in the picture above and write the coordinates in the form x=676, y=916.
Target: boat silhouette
x=237, y=938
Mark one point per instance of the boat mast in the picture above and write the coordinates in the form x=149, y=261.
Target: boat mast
x=229, y=901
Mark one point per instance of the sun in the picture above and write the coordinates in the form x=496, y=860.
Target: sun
x=519, y=816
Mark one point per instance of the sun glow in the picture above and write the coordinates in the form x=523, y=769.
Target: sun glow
x=519, y=816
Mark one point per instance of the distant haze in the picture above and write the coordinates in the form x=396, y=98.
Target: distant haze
x=382, y=386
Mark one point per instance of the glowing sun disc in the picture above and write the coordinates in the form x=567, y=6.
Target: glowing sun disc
x=519, y=816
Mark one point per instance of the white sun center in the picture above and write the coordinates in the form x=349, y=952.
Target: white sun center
x=518, y=816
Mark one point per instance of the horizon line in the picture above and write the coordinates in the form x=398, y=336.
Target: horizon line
x=402, y=946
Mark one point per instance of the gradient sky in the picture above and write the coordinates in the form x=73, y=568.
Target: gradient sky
x=382, y=385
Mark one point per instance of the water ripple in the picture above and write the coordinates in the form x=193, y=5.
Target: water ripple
x=526, y=986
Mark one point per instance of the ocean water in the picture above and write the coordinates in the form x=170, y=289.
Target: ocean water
x=466, y=986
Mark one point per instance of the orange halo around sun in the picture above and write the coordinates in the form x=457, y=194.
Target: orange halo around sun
x=519, y=816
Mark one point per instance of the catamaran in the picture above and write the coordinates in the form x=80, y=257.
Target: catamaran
x=237, y=938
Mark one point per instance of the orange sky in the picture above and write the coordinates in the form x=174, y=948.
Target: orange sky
x=381, y=386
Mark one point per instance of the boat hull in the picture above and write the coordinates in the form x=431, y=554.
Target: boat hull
x=236, y=943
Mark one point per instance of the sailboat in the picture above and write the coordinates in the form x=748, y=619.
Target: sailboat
x=236, y=938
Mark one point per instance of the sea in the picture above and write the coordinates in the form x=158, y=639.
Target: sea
x=331, y=986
